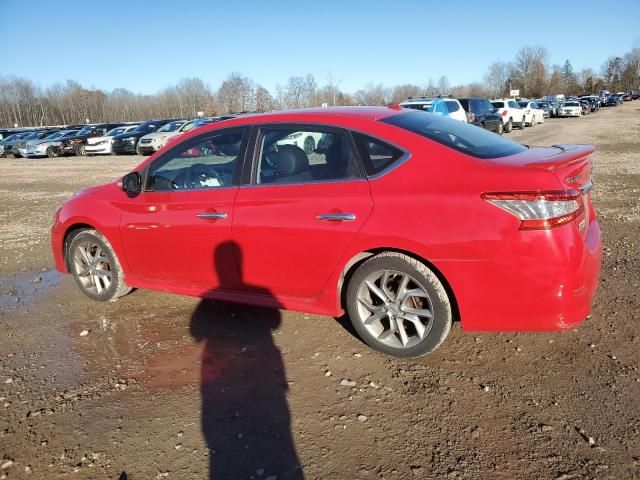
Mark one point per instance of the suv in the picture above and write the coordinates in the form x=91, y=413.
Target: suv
x=446, y=107
x=512, y=114
x=481, y=113
x=533, y=114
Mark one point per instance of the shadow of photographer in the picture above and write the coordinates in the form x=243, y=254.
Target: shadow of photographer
x=245, y=415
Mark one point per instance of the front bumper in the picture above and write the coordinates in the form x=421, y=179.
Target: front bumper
x=149, y=147
x=98, y=149
x=124, y=147
x=36, y=151
x=542, y=280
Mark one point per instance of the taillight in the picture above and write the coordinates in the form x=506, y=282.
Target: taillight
x=539, y=210
x=471, y=117
x=504, y=113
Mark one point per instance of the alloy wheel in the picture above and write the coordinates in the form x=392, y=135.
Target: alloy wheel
x=395, y=308
x=92, y=267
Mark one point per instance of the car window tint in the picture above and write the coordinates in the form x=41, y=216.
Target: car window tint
x=452, y=106
x=376, y=154
x=498, y=104
x=440, y=108
x=198, y=164
x=460, y=136
x=302, y=156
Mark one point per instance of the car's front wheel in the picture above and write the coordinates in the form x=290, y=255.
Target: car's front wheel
x=500, y=128
x=95, y=267
x=52, y=152
x=398, y=305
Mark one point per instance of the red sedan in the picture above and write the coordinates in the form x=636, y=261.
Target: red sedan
x=403, y=219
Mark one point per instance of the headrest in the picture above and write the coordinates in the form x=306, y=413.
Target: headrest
x=291, y=160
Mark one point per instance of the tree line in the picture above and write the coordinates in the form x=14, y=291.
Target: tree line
x=23, y=103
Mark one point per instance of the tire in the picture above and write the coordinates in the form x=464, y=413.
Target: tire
x=500, y=128
x=522, y=124
x=509, y=126
x=138, y=151
x=86, y=267
x=309, y=145
x=80, y=151
x=533, y=121
x=52, y=152
x=414, y=337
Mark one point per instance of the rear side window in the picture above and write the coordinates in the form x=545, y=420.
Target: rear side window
x=498, y=104
x=460, y=136
x=376, y=155
x=452, y=106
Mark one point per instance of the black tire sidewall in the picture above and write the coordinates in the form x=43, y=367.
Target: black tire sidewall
x=441, y=309
x=107, y=294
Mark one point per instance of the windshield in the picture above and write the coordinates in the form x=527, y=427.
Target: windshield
x=85, y=131
x=171, y=127
x=115, y=131
x=15, y=136
x=455, y=134
x=572, y=104
x=54, y=135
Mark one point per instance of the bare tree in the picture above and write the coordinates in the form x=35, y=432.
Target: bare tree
x=497, y=79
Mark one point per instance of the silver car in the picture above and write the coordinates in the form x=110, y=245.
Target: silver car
x=49, y=146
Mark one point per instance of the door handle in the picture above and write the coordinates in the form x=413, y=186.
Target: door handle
x=336, y=217
x=212, y=216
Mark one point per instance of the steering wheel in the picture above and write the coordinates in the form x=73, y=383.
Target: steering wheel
x=198, y=173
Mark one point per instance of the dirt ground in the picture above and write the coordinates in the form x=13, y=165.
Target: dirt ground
x=162, y=386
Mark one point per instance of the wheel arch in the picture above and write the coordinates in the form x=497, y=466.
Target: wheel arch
x=70, y=233
x=355, y=261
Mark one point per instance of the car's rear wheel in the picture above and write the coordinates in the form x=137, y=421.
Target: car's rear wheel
x=309, y=145
x=52, y=152
x=509, y=126
x=398, y=305
x=95, y=267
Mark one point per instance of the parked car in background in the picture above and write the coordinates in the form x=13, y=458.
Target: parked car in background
x=570, y=109
x=6, y=146
x=586, y=107
x=546, y=108
x=17, y=148
x=76, y=145
x=626, y=97
x=532, y=113
x=128, y=142
x=481, y=113
x=444, y=106
x=511, y=113
x=102, y=145
x=7, y=132
x=152, y=142
x=344, y=233
x=50, y=146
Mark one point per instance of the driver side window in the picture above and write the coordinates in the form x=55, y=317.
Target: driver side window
x=198, y=164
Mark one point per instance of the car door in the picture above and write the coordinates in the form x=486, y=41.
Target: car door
x=300, y=211
x=178, y=229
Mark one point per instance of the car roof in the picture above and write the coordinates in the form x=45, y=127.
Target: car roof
x=363, y=113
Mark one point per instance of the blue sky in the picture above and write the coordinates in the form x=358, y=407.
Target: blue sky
x=147, y=45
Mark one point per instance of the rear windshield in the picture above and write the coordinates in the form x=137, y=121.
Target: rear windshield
x=455, y=134
x=498, y=104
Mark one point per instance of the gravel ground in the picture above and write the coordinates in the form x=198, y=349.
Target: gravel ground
x=162, y=386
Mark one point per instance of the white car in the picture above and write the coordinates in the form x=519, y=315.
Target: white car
x=512, y=113
x=308, y=141
x=532, y=113
x=446, y=107
x=570, y=109
x=152, y=142
x=102, y=145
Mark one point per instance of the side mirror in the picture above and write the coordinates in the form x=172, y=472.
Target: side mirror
x=132, y=184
